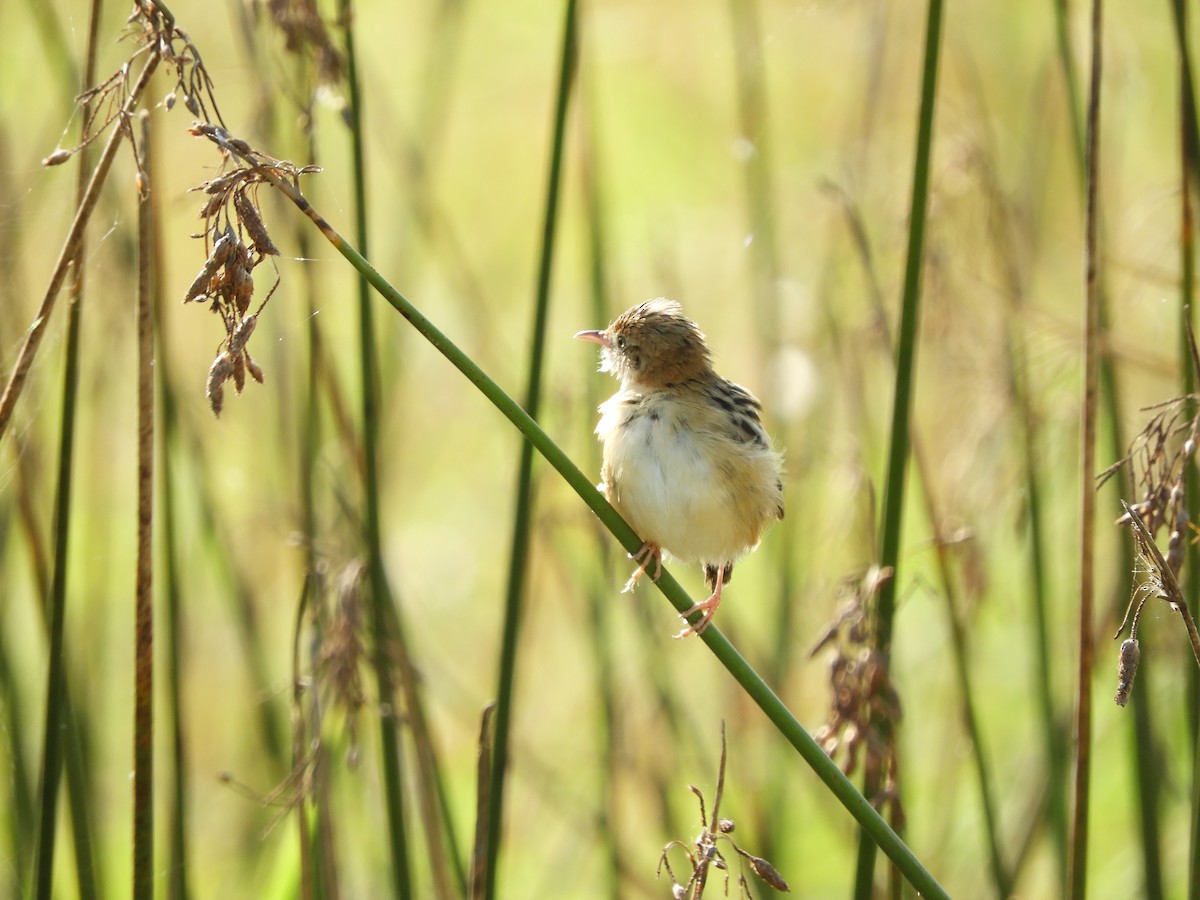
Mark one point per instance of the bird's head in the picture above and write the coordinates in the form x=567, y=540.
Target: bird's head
x=651, y=345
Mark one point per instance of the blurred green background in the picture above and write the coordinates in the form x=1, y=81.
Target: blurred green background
x=751, y=160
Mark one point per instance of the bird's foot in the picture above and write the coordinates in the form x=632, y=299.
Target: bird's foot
x=708, y=607
x=648, y=552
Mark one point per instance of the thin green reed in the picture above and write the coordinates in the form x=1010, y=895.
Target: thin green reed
x=523, y=513
x=172, y=591
x=61, y=721
x=380, y=594
x=893, y=497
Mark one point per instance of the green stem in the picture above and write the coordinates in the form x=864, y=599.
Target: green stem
x=61, y=722
x=143, y=704
x=1077, y=869
x=1189, y=179
x=893, y=498
x=523, y=516
x=380, y=594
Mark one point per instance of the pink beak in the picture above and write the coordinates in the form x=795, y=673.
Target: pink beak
x=596, y=337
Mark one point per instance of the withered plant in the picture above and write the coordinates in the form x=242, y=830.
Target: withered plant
x=1160, y=459
x=705, y=850
x=864, y=711
x=236, y=241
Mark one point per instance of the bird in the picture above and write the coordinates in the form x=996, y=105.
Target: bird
x=686, y=460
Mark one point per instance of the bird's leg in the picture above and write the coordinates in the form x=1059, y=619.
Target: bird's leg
x=709, y=608
x=648, y=552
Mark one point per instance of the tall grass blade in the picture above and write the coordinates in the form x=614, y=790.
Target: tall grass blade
x=380, y=593
x=1077, y=870
x=143, y=705
x=172, y=581
x=523, y=512
x=898, y=453
x=1189, y=178
x=61, y=722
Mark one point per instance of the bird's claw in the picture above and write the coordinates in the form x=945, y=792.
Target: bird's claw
x=648, y=552
x=708, y=607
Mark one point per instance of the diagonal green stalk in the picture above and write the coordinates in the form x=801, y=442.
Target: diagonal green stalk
x=523, y=515
x=380, y=594
x=752, y=683
x=893, y=497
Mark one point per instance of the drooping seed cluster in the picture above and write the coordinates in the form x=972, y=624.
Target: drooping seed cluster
x=1160, y=459
x=238, y=242
x=864, y=712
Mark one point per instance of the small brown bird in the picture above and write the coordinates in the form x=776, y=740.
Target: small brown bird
x=687, y=462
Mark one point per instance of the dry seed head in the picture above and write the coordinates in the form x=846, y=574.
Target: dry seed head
x=239, y=373
x=212, y=206
x=218, y=374
x=1175, y=544
x=216, y=397
x=57, y=158
x=254, y=369
x=1127, y=663
x=217, y=258
x=766, y=872
x=237, y=341
x=254, y=225
x=243, y=289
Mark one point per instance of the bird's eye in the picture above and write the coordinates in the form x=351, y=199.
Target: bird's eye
x=621, y=342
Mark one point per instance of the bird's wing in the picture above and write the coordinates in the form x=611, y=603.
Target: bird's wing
x=743, y=419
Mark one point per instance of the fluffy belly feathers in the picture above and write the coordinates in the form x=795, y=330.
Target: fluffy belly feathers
x=665, y=476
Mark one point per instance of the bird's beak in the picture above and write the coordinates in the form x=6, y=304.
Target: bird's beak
x=596, y=337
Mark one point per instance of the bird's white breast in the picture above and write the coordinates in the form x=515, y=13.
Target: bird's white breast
x=667, y=480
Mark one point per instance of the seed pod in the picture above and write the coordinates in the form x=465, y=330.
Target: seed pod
x=254, y=225
x=57, y=158
x=212, y=206
x=243, y=289
x=1127, y=663
x=254, y=368
x=241, y=334
x=220, y=252
x=218, y=374
x=767, y=873
x=239, y=373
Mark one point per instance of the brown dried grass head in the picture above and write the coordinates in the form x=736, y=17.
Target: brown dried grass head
x=236, y=242
x=864, y=713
